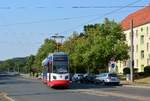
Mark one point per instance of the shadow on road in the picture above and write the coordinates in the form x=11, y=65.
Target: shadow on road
x=43, y=89
x=89, y=86
x=54, y=91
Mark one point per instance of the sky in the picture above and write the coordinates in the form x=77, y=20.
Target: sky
x=24, y=24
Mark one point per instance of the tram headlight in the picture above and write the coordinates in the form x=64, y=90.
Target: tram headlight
x=54, y=77
x=66, y=77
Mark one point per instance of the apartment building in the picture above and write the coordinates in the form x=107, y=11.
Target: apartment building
x=141, y=39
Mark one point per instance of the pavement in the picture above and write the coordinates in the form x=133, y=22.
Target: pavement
x=135, y=84
x=24, y=89
x=27, y=76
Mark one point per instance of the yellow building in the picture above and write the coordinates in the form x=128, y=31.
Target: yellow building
x=141, y=39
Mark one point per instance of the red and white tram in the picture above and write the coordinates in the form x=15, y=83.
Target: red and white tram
x=56, y=70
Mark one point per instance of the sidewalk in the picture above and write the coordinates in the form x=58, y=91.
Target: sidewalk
x=27, y=76
x=135, y=84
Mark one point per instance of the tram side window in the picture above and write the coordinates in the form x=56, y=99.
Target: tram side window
x=50, y=68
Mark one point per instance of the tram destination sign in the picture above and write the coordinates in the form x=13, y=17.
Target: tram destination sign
x=60, y=58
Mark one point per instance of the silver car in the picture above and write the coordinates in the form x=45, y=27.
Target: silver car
x=107, y=78
x=77, y=77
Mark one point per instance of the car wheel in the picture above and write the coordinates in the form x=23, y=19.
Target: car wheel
x=103, y=83
x=117, y=84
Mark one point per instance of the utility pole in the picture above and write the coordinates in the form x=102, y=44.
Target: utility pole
x=56, y=38
x=132, y=54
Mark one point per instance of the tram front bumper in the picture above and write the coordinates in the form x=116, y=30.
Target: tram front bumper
x=57, y=83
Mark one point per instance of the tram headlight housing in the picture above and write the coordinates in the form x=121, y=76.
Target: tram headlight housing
x=66, y=77
x=54, y=77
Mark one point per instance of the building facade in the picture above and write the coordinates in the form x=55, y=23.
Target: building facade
x=141, y=39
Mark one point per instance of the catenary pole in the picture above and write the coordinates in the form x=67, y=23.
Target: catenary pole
x=132, y=54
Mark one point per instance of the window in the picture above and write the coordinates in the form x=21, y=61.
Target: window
x=60, y=68
x=136, y=33
x=136, y=48
x=141, y=29
x=137, y=62
x=147, y=46
x=142, y=39
x=148, y=61
x=124, y=63
x=112, y=75
x=142, y=54
x=147, y=30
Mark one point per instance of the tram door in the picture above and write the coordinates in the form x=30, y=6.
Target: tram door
x=49, y=71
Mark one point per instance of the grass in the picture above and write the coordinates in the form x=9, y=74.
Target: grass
x=140, y=79
x=145, y=80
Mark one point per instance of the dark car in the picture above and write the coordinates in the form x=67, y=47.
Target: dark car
x=89, y=79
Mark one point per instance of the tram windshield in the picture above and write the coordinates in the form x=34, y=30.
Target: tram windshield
x=60, y=68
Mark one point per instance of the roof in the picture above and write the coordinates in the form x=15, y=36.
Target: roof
x=139, y=18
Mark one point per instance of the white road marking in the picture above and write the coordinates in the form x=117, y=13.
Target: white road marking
x=5, y=97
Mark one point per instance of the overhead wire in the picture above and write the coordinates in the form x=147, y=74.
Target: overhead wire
x=108, y=13
x=73, y=7
x=78, y=17
x=68, y=18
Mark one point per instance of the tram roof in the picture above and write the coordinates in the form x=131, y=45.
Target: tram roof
x=49, y=58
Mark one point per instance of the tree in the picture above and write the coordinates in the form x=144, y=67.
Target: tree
x=30, y=62
x=49, y=46
x=106, y=41
x=9, y=64
x=14, y=64
x=97, y=45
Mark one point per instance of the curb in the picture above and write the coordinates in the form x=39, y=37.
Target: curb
x=31, y=78
x=136, y=86
x=28, y=77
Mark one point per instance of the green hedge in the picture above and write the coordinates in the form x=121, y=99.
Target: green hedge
x=147, y=69
x=126, y=70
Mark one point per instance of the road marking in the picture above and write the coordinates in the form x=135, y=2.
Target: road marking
x=116, y=94
x=5, y=97
x=96, y=94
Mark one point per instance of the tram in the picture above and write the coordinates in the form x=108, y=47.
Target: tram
x=56, y=70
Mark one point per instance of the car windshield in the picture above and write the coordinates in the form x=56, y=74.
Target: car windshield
x=113, y=75
x=80, y=75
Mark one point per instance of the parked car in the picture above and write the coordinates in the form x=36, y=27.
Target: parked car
x=77, y=77
x=89, y=79
x=107, y=78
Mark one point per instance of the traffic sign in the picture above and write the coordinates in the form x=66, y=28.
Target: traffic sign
x=112, y=66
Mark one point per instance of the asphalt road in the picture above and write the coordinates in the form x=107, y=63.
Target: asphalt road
x=21, y=89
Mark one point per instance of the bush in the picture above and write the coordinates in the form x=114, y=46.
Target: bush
x=126, y=70
x=135, y=70
x=140, y=75
x=147, y=70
